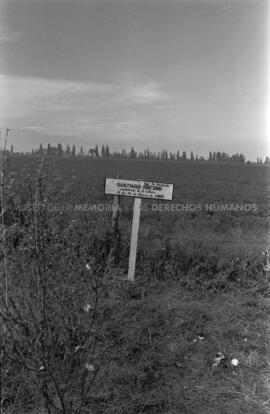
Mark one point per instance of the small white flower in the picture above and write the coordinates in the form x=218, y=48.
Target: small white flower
x=234, y=362
x=88, y=267
x=90, y=367
x=87, y=307
x=218, y=358
x=41, y=368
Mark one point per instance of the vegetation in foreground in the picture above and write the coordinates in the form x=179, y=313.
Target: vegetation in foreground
x=78, y=338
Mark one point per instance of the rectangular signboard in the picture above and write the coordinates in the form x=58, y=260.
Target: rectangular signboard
x=139, y=189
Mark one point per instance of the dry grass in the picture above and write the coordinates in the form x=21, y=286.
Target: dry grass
x=156, y=362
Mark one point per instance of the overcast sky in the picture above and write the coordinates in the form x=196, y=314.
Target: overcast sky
x=188, y=75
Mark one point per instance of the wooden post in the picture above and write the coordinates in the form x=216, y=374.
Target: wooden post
x=116, y=213
x=115, y=244
x=134, y=238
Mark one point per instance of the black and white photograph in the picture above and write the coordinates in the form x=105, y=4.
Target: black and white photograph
x=134, y=207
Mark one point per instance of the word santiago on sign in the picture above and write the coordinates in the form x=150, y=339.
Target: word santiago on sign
x=139, y=189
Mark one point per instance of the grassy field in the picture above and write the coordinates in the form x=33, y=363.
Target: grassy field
x=99, y=344
x=200, y=189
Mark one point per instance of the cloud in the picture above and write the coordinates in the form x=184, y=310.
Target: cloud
x=7, y=36
x=150, y=92
x=64, y=107
x=34, y=128
x=28, y=95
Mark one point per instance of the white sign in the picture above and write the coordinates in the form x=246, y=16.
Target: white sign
x=138, y=189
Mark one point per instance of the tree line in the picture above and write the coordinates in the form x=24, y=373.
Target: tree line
x=105, y=152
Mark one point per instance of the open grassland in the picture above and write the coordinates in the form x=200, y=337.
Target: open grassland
x=78, y=338
x=194, y=218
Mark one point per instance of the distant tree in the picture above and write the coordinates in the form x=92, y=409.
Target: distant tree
x=132, y=153
x=239, y=158
x=164, y=154
x=103, y=152
x=11, y=149
x=225, y=156
x=67, y=150
x=115, y=154
x=242, y=158
x=48, y=152
x=267, y=161
x=92, y=152
x=147, y=153
x=59, y=150
x=107, y=151
x=218, y=156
